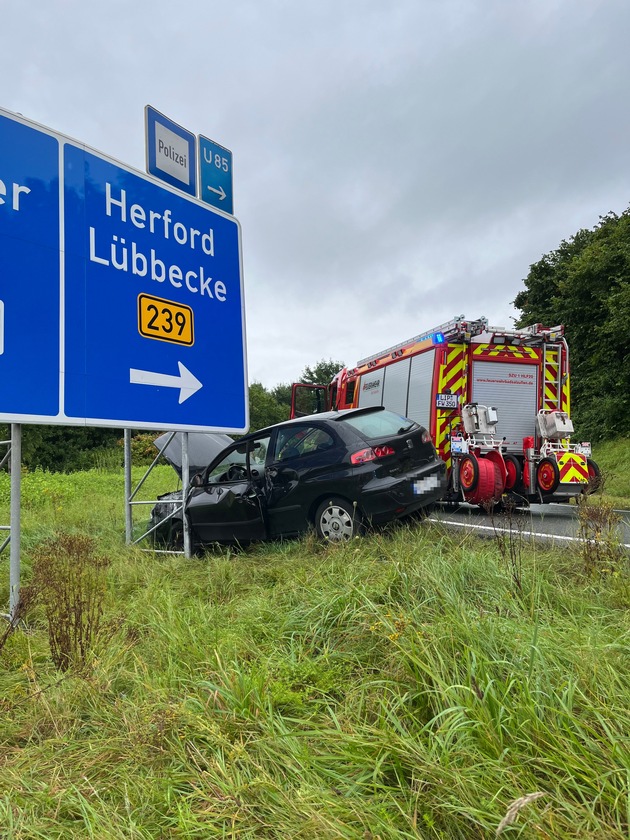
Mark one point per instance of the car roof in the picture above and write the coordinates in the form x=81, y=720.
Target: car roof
x=335, y=416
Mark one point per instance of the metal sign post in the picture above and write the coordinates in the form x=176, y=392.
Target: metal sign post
x=16, y=480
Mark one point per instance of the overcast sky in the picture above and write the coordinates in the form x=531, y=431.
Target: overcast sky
x=395, y=164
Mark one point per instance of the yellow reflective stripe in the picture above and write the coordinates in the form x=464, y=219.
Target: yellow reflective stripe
x=566, y=397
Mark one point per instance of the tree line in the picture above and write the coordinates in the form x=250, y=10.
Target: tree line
x=585, y=285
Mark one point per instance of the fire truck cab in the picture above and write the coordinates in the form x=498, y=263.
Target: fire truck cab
x=496, y=402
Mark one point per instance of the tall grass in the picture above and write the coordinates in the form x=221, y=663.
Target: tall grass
x=398, y=686
x=613, y=458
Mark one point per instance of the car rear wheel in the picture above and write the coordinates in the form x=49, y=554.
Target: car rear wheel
x=337, y=520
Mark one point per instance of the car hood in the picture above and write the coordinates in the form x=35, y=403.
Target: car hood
x=203, y=447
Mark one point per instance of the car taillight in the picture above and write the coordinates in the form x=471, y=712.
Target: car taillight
x=426, y=437
x=369, y=454
x=382, y=451
x=363, y=456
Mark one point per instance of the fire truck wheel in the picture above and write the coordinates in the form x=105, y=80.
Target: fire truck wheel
x=514, y=470
x=547, y=476
x=336, y=520
x=468, y=473
x=594, y=476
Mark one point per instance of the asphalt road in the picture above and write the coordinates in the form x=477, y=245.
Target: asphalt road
x=558, y=523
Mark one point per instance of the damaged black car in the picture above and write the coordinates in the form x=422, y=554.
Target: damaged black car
x=335, y=472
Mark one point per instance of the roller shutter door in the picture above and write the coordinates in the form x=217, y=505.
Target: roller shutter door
x=396, y=384
x=371, y=388
x=420, y=399
x=513, y=390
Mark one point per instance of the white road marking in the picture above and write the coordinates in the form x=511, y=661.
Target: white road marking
x=496, y=530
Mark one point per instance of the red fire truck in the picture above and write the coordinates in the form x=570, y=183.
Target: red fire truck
x=496, y=402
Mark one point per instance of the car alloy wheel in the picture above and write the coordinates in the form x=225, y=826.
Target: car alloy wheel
x=336, y=520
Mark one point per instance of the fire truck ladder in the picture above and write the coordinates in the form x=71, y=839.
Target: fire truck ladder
x=456, y=328
x=552, y=377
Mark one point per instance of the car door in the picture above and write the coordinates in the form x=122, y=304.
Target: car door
x=230, y=504
x=304, y=463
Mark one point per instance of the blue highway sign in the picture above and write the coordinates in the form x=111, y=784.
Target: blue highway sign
x=29, y=273
x=171, y=151
x=133, y=290
x=215, y=175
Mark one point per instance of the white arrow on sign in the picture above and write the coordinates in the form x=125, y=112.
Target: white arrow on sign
x=187, y=383
x=220, y=192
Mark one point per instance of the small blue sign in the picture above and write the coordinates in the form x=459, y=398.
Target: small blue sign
x=215, y=175
x=171, y=152
x=29, y=273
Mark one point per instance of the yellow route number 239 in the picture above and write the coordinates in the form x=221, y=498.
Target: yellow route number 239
x=165, y=320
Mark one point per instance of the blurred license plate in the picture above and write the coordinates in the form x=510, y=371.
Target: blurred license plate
x=426, y=485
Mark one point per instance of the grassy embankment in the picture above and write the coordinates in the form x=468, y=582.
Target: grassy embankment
x=613, y=458
x=409, y=684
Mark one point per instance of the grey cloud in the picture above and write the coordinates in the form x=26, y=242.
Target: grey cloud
x=395, y=164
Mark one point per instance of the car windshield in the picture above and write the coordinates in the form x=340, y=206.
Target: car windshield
x=376, y=424
x=221, y=470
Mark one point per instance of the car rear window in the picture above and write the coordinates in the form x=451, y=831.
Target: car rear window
x=380, y=423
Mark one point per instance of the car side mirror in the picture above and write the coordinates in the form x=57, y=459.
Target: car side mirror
x=196, y=480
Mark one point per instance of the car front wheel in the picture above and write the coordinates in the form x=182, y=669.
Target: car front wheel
x=337, y=520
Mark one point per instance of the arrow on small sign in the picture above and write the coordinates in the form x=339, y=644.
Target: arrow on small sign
x=187, y=383
x=220, y=192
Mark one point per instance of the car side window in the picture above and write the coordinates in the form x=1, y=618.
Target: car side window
x=258, y=450
x=297, y=441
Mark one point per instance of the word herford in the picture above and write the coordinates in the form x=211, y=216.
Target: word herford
x=123, y=258
x=160, y=223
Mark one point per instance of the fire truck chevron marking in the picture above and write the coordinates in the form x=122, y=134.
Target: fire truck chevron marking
x=573, y=468
x=452, y=377
x=492, y=351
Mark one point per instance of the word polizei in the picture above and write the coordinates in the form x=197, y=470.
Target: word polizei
x=170, y=152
